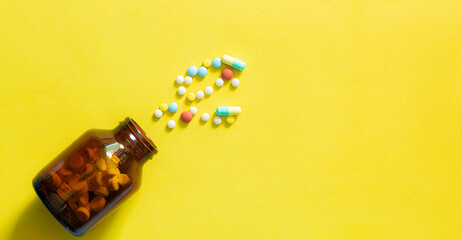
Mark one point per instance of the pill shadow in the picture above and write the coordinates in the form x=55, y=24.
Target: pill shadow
x=155, y=119
x=37, y=223
x=202, y=122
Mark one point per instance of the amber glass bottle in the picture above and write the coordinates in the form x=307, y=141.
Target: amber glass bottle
x=95, y=174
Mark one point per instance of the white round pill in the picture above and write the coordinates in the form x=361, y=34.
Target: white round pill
x=208, y=90
x=205, y=117
x=158, y=113
x=188, y=80
x=193, y=110
x=181, y=90
x=200, y=94
x=171, y=124
x=217, y=120
x=219, y=82
x=235, y=82
x=179, y=79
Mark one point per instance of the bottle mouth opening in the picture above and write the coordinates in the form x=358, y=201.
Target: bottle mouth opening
x=141, y=136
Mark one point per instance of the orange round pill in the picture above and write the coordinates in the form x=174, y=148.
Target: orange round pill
x=113, y=184
x=76, y=162
x=186, y=116
x=101, y=164
x=82, y=214
x=72, y=204
x=64, y=172
x=124, y=179
x=83, y=198
x=86, y=169
x=227, y=74
x=80, y=187
x=97, y=204
x=86, y=205
x=99, y=178
x=101, y=191
x=53, y=180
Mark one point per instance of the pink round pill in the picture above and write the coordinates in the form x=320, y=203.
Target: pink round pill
x=227, y=74
x=186, y=116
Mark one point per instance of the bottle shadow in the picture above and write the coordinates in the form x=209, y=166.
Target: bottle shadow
x=37, y=223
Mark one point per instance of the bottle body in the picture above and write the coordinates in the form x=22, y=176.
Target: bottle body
x=94, y=175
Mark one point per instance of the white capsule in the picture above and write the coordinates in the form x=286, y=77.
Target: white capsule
x=219, y=82
x=181, y=91
x=208, y=90
x=235, y=82
x=193, y=110
x=179, y=79
x=199, y=95
x=205, y=117
x=171, y=124
x=188, y=80
x=217, y=120
x=158, y=113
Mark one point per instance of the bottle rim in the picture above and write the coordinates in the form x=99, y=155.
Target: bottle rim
x=141, y=135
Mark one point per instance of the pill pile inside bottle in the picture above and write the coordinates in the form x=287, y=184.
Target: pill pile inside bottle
x=221, y=111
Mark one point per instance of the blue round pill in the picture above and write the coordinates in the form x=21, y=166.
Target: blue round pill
x=192, y=71
x=173, y=107
x=202, y=71
x=216, y=63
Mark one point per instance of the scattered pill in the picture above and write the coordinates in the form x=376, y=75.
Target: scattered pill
x=171, y=124
x=181, y=90
x=205, y=117
x=202, y=71
x=208, y=90
x=235, y=82
x=230, y=119
x=227, y=74
x=193, y=110
x=191, y=97
x=188, y=80
x=179, y=79
x=225, y=110
x=216, y=62
x=173, y=107
x=186, y=116
x=200, y=94
x=158, y=113
x=163, y=107
x=219, y=82
x=207, y=62
x=217, y=120
x=192, y=71
x=233, y=62
x=82, y=214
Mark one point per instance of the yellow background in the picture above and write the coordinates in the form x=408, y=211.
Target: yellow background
x=351, y=125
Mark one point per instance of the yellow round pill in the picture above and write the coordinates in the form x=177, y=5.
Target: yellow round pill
x=207, y=63
x=191, y=96
x=163, y=107
x=230, y=119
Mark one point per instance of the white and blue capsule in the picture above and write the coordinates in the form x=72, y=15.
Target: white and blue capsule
x=226, y=110
x=233, y=62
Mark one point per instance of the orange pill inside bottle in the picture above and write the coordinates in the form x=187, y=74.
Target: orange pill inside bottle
x=94, y=175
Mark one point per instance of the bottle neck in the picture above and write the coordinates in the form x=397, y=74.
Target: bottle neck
x=134, y=141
